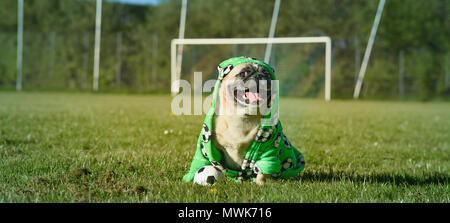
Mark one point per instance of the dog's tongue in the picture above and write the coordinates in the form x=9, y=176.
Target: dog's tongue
x=252, y=97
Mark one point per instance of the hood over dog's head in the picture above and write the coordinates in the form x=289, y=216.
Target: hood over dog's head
x=246, y=87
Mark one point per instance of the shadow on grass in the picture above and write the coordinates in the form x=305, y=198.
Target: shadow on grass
x=16, y=142
x=386, y=178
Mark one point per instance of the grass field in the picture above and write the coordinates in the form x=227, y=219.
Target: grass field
x=62, y=147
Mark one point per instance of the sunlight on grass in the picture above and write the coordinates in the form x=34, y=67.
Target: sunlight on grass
x=130, y=148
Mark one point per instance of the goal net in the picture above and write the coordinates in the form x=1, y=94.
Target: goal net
x=302, y=64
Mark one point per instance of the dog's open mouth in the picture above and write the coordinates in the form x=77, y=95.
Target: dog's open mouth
x=248, y=96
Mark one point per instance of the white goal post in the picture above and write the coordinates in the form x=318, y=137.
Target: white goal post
x=175, y=73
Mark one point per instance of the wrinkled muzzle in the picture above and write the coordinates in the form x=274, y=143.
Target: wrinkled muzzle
x=253, y=93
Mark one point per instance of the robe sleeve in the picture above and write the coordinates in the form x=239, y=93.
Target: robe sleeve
x=269, y=162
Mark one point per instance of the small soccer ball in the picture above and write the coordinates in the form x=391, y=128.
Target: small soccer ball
x=206, y=134
x=208, y=175
x=277, y=141
x=287, y=164
x=227, y=69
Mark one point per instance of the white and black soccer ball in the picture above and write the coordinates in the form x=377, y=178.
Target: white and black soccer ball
x=263, y=135
x=287, y=164
x=226, y=70
x=208, y=175
x=206, y=133
x=277, y=141
x=256, y=169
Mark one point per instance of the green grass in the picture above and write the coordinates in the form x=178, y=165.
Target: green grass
x=62, y=147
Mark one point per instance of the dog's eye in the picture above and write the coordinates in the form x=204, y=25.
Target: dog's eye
x=243, y=74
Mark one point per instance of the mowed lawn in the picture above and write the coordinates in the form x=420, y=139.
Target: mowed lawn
x=67, y=147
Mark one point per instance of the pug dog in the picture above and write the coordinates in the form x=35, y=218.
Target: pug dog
x=241, y=136
x=244, y=97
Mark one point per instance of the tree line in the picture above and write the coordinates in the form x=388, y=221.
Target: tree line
x=410, y=58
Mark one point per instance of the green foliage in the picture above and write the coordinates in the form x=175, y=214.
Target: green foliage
x=420, y=28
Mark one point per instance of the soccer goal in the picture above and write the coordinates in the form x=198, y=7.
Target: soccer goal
x=176, y=59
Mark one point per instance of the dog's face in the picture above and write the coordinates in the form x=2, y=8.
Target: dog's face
x=246, y=90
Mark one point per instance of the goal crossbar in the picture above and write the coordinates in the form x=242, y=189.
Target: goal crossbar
x=175, y=75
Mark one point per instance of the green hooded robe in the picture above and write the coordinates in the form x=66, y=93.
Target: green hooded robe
x=270, y=152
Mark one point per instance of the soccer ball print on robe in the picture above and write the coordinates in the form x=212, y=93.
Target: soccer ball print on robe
x=291, y=159
x=206, y=133
x=223, y=72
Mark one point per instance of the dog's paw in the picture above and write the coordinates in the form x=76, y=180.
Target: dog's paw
x=261, y=178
